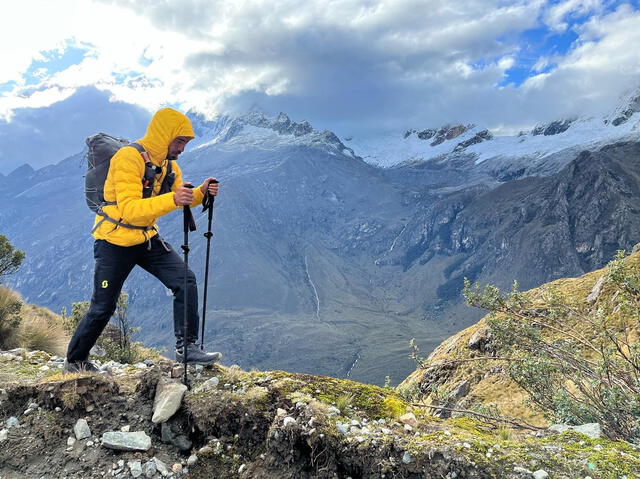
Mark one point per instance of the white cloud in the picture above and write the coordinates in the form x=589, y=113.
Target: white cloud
x=337, y=63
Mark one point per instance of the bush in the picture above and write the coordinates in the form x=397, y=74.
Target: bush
x=41, y=330
x=10, y=258
x=10, y=305
x=579, y=363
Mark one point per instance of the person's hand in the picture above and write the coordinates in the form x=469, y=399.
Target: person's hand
x=183, y=196
x=213, y=186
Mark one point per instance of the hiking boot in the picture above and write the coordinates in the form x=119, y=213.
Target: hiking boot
x=79, y=367
x=196, y=356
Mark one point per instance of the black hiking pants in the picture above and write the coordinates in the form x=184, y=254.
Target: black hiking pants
x=113, y=265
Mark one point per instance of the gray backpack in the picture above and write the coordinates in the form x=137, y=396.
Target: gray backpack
x=100, y=149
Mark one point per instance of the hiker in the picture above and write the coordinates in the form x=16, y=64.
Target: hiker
x=126, y=235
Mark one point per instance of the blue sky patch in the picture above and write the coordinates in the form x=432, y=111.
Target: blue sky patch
x=544, y=43
x=54, y=61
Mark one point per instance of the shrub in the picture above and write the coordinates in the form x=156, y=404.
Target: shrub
x=10, y=305
x=43, y=332
x=10, y=258
x=579, y=363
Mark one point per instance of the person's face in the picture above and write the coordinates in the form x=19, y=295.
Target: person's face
x=177, y=146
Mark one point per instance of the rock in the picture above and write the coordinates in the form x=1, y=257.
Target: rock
x=81, y=429
x=281, y=412
x=210, y=383
x=192, y=460
x=597, y=289
x=12, y=422
x=135, y=467
x=407, y=458
x=342, y=428
x=593, y=430
x=540, y=474
x=384, y=430
x=161, y=467
x=90, y=408
x=288, y=420
x=460, y=391
x=477, y=340
x=149, y=468
x=177, y=371
x=242, y=468
x=126, y=441
x=409, y=419
x=522, y=470
x=172, y=436
x=167, y=401
x=71, y=441
x=177, y=468
x=4, y=435
x=334, y=411
x=126, y=428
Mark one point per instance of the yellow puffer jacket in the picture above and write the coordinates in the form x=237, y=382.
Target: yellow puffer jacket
x=124, y=182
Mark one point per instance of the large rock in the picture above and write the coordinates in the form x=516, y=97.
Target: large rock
x=126, y=441
x=168, y=400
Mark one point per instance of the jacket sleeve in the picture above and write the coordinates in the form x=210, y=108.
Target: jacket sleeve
x=197, y=192
x=127, y=170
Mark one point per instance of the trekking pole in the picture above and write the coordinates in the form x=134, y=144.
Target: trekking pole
x=207, y=204
x=189, y=225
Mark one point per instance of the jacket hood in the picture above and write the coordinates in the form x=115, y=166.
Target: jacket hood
x=165, y=126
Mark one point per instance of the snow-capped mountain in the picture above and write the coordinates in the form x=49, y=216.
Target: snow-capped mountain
x=257, y=130
x=538, y=148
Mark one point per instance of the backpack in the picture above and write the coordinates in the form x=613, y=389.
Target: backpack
x=100, y=149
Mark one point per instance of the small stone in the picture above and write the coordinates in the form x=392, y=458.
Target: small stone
x=408, y=428
x=58, y=409
x=522, y=470
x=210, y=383
x=126, y=441
x=360, y=438
x=121, y=463
x=4, y=435
x=409, y=419
x=466, y=445
x=177, y=371
x=90, y=408
x=540, y=474
x=177, y=468
x=342, y=428
x=161, y=466
x=385, y=430
x=192, y=460
x=81, y=429
x=149, y=469
x=242, y=468
x=199, y=368
x=598, y=447
x=126, y=428
x=205, y=449
x=288, y=420
x=407, y=458
x=334, y=411
x=281, y=412
x=71, y=441
x=90, y=443
x=135, y=467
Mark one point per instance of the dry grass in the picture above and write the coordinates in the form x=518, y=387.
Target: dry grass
x=41, y=330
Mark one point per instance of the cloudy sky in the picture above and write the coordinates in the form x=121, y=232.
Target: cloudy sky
x=353, y=66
